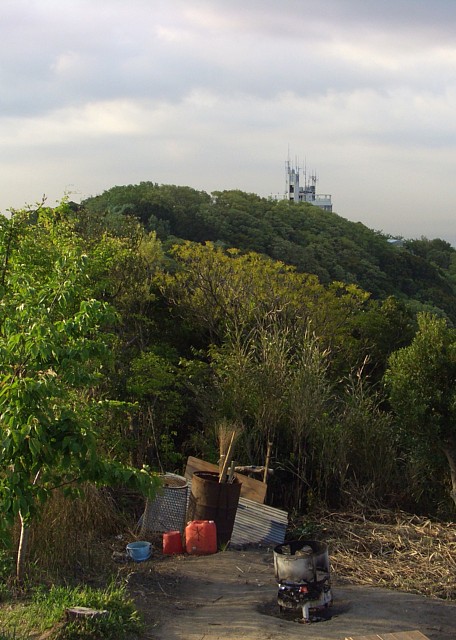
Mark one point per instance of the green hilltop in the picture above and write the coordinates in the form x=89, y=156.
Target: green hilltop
x=419, y=271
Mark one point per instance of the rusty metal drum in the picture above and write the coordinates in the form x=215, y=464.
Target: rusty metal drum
x=214, y=500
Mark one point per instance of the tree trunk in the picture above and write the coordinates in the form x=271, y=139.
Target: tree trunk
x=450, y=451
x=23, y=541
x=22, y=550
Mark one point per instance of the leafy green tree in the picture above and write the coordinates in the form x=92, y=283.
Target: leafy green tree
x=422, y=385
x=224, y=291
x=158, y=207
x=381, y=328
x=52, y=353
x=155, y=383
x=437, y=251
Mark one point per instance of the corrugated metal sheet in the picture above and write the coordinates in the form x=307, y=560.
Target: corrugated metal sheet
x=258, y=523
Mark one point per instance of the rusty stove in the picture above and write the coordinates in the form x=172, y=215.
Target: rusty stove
x=303, y=576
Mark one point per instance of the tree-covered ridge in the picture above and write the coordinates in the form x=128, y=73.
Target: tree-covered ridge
x=298, y=234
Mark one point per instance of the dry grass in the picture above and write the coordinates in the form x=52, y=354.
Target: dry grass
x=392, y=549
x=225, y=431
x=66, y=539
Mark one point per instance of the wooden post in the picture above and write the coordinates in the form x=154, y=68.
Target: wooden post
x=266, y=464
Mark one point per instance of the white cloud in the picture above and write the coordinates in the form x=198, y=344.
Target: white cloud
x=67, y=126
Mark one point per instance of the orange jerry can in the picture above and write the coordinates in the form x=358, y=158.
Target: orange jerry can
x=201, y=537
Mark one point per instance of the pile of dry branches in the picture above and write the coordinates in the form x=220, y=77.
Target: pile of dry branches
x=392, y=549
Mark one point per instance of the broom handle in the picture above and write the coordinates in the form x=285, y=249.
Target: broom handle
x=227, y=458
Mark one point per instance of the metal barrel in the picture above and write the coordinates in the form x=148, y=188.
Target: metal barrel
x=214, y=500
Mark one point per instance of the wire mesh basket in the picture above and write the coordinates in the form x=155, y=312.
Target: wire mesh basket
x=166, y=512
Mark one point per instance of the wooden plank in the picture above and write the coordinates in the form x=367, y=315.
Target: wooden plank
x=399, y=635
x=82, y=613
x=251, y=489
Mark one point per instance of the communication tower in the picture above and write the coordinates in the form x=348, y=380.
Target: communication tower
x=306, y=193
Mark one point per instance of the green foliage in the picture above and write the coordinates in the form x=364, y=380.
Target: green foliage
x=53, y=348
x=367, y=442
x=437, y=251
x=330, y=438
x=158, y=208
x=10, y=635
x=251, y=376
x=225, y=292
x=159, y=381
x=6, y=571
x=305, y=530
x=381, y=328
x=307, y=395
x=421, y=380
x=6, y=564
x=263, y=324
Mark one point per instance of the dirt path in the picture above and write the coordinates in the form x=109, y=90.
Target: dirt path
x=232, y=596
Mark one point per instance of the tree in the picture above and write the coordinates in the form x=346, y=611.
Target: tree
x=223, y=291
x=381, y=328
x=422, y=385
x=52, y=353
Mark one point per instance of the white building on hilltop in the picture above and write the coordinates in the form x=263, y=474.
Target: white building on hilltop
x=306, y=193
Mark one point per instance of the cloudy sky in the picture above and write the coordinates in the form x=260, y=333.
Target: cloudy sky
x=215, y=94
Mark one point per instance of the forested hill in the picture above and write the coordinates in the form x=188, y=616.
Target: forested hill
x=314, y=241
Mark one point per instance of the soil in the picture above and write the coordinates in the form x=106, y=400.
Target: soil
x=232, y=595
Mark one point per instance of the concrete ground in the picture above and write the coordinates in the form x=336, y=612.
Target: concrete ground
x=232, y=595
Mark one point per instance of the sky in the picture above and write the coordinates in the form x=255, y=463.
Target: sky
x=218, y=94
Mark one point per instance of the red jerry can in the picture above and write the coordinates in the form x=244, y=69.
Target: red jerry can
x=201, y=537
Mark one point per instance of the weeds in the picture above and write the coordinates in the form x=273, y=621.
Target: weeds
x=46, y=610
x=305, y=530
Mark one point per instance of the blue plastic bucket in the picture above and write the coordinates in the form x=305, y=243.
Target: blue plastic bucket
x=139, y=551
